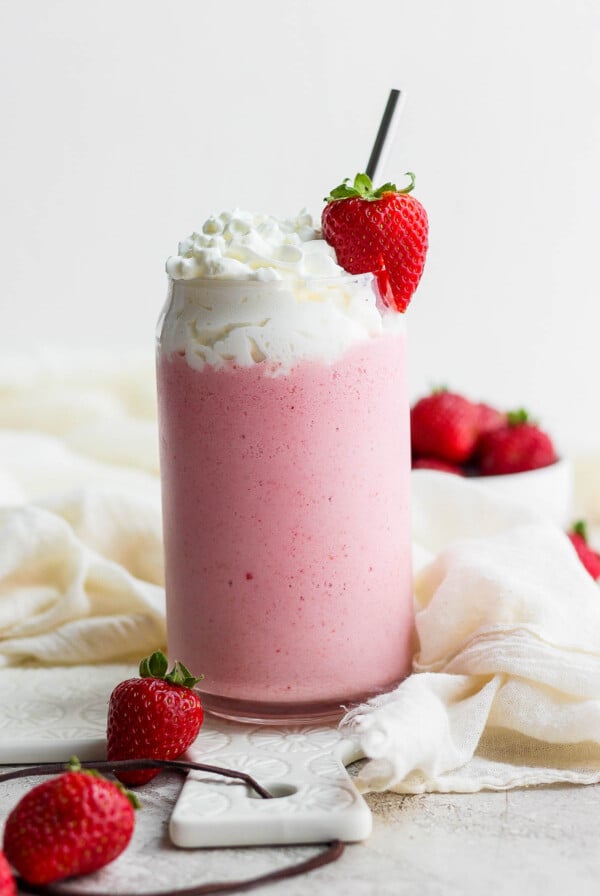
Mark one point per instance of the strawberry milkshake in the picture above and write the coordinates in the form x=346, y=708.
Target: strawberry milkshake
x=285, y=463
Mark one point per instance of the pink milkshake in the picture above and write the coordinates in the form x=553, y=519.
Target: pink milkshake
x=285, y=458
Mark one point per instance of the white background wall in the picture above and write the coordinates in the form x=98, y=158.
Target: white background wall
x=124, y=124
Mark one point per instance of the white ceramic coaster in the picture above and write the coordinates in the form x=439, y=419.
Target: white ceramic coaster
x=50, y=714
x=302, y=766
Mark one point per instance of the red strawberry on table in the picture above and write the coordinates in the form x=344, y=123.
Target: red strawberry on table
x=383, y=231
x=7, y=881
x=515, y=447
x=156, y=716
x=444, y=425
x=72, y=824
x=585, y=552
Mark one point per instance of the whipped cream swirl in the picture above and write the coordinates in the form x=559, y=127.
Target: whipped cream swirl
x=251, y=289
x=241, y=245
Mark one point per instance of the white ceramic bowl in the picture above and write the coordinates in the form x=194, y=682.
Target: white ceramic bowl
x=548, y=490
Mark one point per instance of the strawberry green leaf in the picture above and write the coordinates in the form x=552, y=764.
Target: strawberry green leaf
x=185, y=671
x=154, y=666
x=341, y=192
x=182, y=676
x=515, y=418
x=411, y=185
x=580, y=528
x=387, y=188
x=74, y=765
x=363, y=184
x=189, y=680
x=362, y=188
x=132, y=797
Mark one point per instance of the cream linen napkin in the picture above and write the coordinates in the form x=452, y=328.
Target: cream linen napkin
x=81, y=570
x=508, y=685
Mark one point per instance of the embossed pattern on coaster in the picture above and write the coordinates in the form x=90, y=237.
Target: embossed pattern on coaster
x=303, y=766
x=49, y=714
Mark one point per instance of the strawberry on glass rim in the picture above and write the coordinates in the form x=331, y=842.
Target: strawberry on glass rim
x=383, y=231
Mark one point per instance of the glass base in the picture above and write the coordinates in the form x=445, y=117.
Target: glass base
x=272, y=713
x=257, y=713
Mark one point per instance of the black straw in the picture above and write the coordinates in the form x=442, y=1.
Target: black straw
x=382, y=133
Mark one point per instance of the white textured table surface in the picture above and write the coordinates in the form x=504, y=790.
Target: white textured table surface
x=540, y=841
x=497, y=844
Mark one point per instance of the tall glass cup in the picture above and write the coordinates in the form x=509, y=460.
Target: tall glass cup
x=286, y=509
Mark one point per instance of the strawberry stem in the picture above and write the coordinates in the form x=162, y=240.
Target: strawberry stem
x=74, y=765
x=580, y=528
x=156, y=665
x=411, y=185
x=362, y=188
x=516, y=418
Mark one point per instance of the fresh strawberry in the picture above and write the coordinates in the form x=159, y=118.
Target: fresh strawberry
x=432, y=463
x=156, y=716
x=72, y=824
x=587, y=555
x=489, y=418
x=382, y=231
x=515, y=447
x=444, y=425
x=7, y=881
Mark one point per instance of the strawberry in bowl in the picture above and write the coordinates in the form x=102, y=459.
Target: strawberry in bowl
x=518, y=445
x=507, y=453
x=445, y=427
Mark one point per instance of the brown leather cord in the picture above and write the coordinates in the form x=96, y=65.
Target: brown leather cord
x=332, y=851
x=135, y=765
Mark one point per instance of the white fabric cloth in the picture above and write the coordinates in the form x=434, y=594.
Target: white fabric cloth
x=508, y=685
x=81, y=567
x=508, y=623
